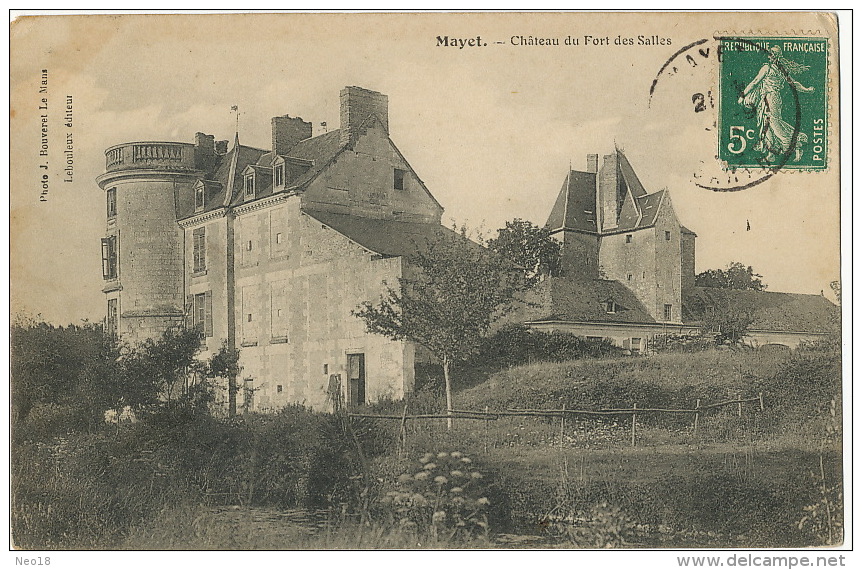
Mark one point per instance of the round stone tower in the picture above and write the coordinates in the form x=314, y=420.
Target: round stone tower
x=142, y=253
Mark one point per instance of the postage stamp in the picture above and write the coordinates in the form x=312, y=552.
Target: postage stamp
x=773, y=102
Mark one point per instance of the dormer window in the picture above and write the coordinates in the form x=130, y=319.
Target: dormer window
x=200, y=197
x=611, y=307
x=278, y=175
x=629, y=238
x=249, y=185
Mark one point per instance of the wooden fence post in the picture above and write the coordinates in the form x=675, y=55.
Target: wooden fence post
x=696, y=414
x=403, y=433
x=760, y=397
x=562, y=426
x=487, y=422
x=739, y=405
x=634, y=422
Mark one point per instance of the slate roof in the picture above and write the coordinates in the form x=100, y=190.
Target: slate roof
x=217, y=180
x=386, y=237
x=575, y=206
x=628, y=175
x=773, y=311
x=584, y=300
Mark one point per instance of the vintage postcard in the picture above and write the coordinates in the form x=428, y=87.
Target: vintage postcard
x=428, y=281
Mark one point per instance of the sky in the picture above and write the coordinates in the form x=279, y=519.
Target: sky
x=491, y=129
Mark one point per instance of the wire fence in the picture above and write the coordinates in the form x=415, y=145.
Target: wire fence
x=564, y=413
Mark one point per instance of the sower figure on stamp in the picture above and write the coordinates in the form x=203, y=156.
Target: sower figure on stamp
x=763, y=95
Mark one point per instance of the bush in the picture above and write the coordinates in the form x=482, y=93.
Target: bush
x=87, y=491
x=443, y=496
x=683, y=342
x=517, y=344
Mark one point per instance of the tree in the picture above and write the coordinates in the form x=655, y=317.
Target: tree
x=159, y=368
x=729, y=322
x=736, y=276
x=451, y=292
x=51, y=368
x=529, y=247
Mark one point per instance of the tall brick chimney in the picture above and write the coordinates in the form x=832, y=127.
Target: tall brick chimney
x=607, y=190
x=593, y=163
x=357, y=104
x=287, y=131
x=204, y=151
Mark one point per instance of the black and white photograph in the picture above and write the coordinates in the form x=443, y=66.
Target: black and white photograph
x=430, y=281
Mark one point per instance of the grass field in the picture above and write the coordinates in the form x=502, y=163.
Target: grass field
x=744, y=480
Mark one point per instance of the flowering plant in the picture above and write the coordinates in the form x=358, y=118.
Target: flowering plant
x=442, y=496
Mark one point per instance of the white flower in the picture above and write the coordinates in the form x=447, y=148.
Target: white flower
x=476, y=475
x=456, y=454
x=466, y=460
x=442, y=454
x=421, y=475
x=483, y=501
x=440, y=480
x=456, y=490
x=457, y=473
x=430, y=466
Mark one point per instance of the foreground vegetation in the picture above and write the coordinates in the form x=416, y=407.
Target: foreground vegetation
x=181, y=478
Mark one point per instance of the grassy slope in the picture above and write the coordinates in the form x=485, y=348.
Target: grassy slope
x=683, y=378
x=746, y=479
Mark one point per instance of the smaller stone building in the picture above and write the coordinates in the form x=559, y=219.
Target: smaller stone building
x=628, y=270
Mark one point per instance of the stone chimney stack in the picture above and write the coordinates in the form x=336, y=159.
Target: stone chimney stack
x=287, y=131
x=607, y=190
x=593, y=163
x=204, y=151
x=357, y=104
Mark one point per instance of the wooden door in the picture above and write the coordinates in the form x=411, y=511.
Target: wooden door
x=355, y=380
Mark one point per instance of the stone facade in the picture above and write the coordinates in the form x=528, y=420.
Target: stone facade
x=611, y=228
x=629, y=270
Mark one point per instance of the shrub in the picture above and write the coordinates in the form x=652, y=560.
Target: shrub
x=517, y=344
x=443, y=497
x=672, y=342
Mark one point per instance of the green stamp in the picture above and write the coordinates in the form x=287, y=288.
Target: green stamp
x=772, y=103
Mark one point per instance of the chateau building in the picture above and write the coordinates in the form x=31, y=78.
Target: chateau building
x=270, y=250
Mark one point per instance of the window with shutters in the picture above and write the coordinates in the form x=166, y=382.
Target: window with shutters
x=250, y=320
x=398, y=179
x=109, y=258
x=249, y=185
x=278, y=234
x=199, y=250
x=202, y=313
x=112, y=324
x=200, y=197
x=111, y=197
x=278, y=317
